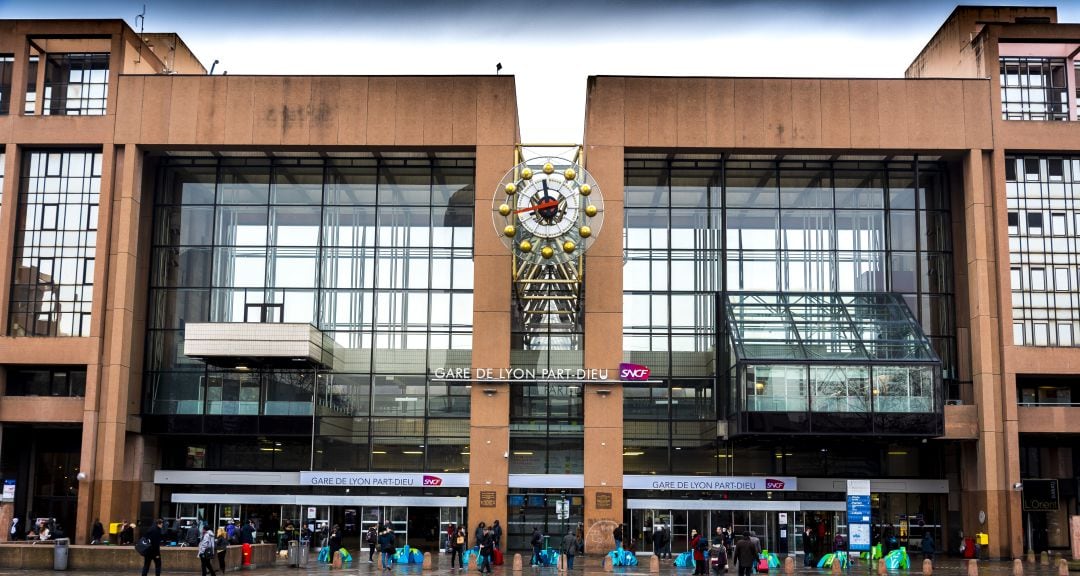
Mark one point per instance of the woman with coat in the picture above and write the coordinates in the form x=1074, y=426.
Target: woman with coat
x=699, y=547
x=206, y=551
x=221, y=546
x=458, y=544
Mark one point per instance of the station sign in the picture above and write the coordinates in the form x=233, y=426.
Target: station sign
x=710, y=483
x=385, y=479
x=858, y=515
x=627, y=373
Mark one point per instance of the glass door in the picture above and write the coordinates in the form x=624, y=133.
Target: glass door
x=449, y=516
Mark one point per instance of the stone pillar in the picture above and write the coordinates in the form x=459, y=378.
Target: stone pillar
x=489, y=427
x=603, y=350
x=988, y=493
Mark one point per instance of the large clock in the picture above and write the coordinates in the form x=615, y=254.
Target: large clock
x=548, y=210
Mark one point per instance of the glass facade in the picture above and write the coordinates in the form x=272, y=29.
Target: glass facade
x=1043, y=224
x=1034, y=88
x=376, y=253
x=7, y=63
x=53, y=281
x=76, y=84
x=45, y=381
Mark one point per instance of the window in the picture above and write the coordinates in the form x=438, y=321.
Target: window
x=31, y=85
x=1014, y=223
x=46, y=381
x=1057, y=224
x=51, y=294
x=1034, y=88
x=7, y=62
x=1061, y=279
x=76, y=84
x=1034, y=223
x=1038, y=279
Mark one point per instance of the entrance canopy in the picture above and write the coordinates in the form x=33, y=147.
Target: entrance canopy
x=837, y=363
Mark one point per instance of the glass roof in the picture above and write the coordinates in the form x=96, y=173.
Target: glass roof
x=858, y=327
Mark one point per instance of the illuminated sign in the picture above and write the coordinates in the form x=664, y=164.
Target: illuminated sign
x=384, y=479
x=705, y=483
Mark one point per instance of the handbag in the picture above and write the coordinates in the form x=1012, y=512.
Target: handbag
x=206, y=554
x=142, y=546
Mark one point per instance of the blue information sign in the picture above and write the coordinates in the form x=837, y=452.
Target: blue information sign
x=858, y=508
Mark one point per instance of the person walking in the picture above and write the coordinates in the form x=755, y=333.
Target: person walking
x=221, y=547
x=617, y=534
x=569, y=548
x=372, y=540
x=928, y=546
x=746, y=555
x=478, y=535
x=487, y=550
x=458, y=544
x=153, y=552
x=809, y=545
x=334, y=541
x=537, y=542
x=206, y=552
x=718, y=551
x=97, y=533
x=386, y=545
x=247, y=533
x=699, y=545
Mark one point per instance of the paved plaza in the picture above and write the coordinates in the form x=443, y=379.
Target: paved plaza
x=588, y=565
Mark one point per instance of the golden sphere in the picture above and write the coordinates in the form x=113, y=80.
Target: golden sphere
x=568, y=246
x=525, y=246
x=585, y=231
x=526, y=173
x=548, y=168
x=585, y=189
x=590, y=210
x=569, y=173
x=504, y=209
x=547, y=252
x=509, y=231
x=510, y=188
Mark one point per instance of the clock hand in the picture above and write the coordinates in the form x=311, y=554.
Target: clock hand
x=545, y=204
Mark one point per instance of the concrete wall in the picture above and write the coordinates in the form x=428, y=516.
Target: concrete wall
x=124, y=558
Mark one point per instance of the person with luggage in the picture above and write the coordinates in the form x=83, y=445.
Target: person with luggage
x=537, y=542
x=387, y=546
x=496, y=532
x=458, y=544
x=617, y=534
x=700, y=545
x=206, y=551
x=570, y=546
x=371, y=538
x=478, y=534
x=928, y=546
x=718, y=553
x=153, y=551
x=746, y=555
x=487, y=550
x=334, y=541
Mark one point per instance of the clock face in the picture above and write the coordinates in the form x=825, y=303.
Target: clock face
x=548, y=210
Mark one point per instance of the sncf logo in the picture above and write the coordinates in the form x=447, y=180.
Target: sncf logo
x=771, y=484
x=633, y=372
x=436, y=481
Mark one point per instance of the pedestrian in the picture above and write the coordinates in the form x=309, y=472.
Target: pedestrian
x=97, y=533
x=478, y=535
x=667, y=541
x=809, y=545
x=537, y=542
x=700, y=545
x=458, y=544
x=718, y=552
x=487, y=550
x=372, y=540
x=127, y=533
x=153, y=551
x=386, y=545
x=247, y=533
x=569, y=548
x=581, y=538
x=928, y=546
x=617, y=534
x=221, y=546
x=496, y=532
x=756, y=541
x=746, y=555
x=206, y=551
x=231, y=532
x=13, y=534
x=335, y=540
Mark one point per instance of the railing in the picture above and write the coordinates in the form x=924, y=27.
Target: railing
x=1048, y=404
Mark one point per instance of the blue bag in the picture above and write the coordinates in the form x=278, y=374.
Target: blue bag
x=685, y=560
x=345, y=556
x=324, y=555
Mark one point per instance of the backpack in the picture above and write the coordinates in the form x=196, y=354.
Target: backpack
x=537, y=539
x=702, y=544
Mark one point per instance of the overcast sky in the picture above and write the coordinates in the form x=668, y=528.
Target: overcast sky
x=550, y=46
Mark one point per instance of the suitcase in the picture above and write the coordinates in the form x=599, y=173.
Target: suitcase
x=763, y=565
x=497, y=557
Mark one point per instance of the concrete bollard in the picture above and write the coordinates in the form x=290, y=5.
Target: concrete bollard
x=835, y=566
x=1063, y=567
x=1018, y=567
x=654, y=564
x=973, y=568
x=789, y=565
x=427, y=561
x=561, y=565
x=517, y=563
x=606, y=563
x=880, y=567
x=927, y=567
x=1044, y=558
x=336, y=563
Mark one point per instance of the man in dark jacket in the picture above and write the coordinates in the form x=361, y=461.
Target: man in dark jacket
x=97, y=533
x=569, y=548
x=496, y=533
x=487, y=550
x=247, y=534
x=617, y=534
x=746, y=555
x=537, y=542
x=153, y=553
